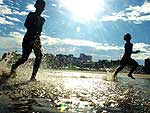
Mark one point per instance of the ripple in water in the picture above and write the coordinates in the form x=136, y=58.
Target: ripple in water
x=74, y=92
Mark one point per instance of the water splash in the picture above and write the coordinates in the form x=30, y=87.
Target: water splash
x=108, y=74
x=71, y=92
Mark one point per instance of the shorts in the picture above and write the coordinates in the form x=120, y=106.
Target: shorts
x=28, y=45
x=128, y=61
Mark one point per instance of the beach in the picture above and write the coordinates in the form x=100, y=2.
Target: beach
x=74, y=92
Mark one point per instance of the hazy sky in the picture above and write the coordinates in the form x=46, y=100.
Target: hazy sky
x=93, y=27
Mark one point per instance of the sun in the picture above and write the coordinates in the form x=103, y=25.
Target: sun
x=83, y=10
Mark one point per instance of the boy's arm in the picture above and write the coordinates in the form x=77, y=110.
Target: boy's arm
x=43, y=20
x=137, y=51
x=28, y=21
x=134, y=52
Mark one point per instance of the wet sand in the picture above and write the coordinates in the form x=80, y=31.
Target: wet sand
x=74, y=92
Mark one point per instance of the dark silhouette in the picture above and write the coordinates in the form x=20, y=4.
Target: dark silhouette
x=33, y=23
x=4, y=78
x=126, y=59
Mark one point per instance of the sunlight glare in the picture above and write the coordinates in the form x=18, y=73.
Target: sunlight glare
x=85, y=10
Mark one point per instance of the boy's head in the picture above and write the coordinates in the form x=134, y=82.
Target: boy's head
x=127, y=37
x=40, y=5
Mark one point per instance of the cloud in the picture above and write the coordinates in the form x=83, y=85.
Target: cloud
x=30, y=7
x=114, y=17
x=141, y=56
x=13, y=19
x=5, y=10
x=145, y=51
x=7, y=43
x=76, y=46
x=98, y=49
x=21, y=13
x=16, y=36
x=5, y=15
x=4, y=21
x=11, y=42
x=81, y=43
x=142, y=47
x=1, y=1
x=21, y=30
x=136, y=14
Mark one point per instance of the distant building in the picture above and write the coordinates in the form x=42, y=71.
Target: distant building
x=85, y=58
x=71, y=59
x=61, y=57
x=147, y=65
x=70, y=55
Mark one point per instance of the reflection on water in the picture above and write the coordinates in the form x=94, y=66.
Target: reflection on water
x=74, y=92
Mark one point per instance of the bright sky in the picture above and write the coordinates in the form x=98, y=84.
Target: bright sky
x=93, y=27
x=1, y=1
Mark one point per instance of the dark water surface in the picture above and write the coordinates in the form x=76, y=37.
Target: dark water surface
x=74, y=92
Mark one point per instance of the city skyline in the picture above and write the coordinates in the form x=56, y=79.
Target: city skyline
x=93, y=27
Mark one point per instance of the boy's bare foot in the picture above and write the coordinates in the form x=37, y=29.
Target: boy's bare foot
x=114, y=78
x=12, y=75
x=13, y=72
x=33, y=79
x=13, y=69
x=130, y=75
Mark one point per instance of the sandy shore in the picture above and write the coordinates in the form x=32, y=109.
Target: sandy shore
x=73, y=92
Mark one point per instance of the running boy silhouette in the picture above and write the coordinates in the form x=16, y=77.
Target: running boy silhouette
x=31, y=40
x=126, y=59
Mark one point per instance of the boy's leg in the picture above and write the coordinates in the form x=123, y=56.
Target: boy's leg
x=38, y=54
x=25, y=54
x=116, y=72
x=134, y=65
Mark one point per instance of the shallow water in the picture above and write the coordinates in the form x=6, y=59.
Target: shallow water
x=74, y=92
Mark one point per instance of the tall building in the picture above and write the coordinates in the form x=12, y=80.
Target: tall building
x=147, y=65
x=85, y=58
